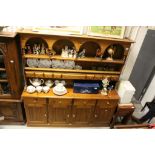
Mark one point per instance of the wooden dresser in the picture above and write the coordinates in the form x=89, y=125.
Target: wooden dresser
x=72, y=109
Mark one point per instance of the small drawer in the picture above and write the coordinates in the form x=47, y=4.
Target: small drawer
x=39, y=74
x=34, y=101
x=84, y=102
x=73, y=76
x=90, y=76
x=107, y=103
x=98, y=77
x=57, y=75
x=30, y=74
x=60, y=101
x=48, y=75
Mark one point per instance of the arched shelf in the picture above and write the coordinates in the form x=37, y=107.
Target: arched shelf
x=91, y=47
x=36, y=40
x=60, y=44
x=118, y=52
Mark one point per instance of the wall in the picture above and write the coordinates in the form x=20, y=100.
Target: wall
x=136, y=34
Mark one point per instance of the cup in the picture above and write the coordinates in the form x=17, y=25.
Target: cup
x=39, y=89
x=46, y=89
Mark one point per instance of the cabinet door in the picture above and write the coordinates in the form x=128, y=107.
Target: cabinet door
x=82, y=111
x=59, y=111
x=104, y=111
x=8, y=112
x=36, y=110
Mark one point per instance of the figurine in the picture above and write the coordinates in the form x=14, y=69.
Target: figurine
x=42, y=49
x=35, y=49
x=50, y=52
x=105, y=83
x=29, y=49
x=99, y=54
x=23, y=50
x=82, y=54
x=111, y=53
x=64, y=52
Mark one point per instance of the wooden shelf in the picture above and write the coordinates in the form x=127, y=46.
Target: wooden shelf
x=58, y=57
x=3, y=80
x=71, y=95
x=2, y=69
x=72, y=70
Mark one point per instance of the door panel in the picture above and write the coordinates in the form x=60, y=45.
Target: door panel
x=59, y=111
x=8, y=112
x=82, y=111
x=36, y=110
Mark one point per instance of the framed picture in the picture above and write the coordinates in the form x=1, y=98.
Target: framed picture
x=106, y=31
x=61, y=29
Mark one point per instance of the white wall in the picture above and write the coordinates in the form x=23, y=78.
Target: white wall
x=137, y=34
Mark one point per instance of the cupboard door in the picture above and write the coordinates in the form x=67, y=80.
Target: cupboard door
x=103, y=112
x=59, y=111
x=8, y=112
x=36, y=110
x=82, y=111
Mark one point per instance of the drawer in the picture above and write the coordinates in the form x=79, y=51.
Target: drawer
x=57, y=75
x=90, y=76
x=48, y=75
x=30, y=74
x=39, y=74
x=84, y=102
x=107, y=103
x=98, y=77
x=34, y=101
x=73, y=76
x=60, y=102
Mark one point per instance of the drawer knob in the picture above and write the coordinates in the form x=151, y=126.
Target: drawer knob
x=108, y=103
x=45, y=115
x=35, y=100
x=60, y=102
x=95, y=116
x=73, y=115
x=68, y=115
x=11, y=61
x=1, y=118
x=106, y=110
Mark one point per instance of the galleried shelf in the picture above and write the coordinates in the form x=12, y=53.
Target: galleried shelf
x=58, y=57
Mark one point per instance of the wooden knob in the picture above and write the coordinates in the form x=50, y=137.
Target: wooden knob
x=106, y=110
x=73, y=115
x=95, y=116
x=35, y=100
x=68, y=115
x=45, y=115
x=108, y=103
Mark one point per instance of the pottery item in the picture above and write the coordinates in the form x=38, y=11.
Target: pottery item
x=39, y=89
x=46, y=89
x=30, y=89
x=49, y=83
x=36, y=82
x=44, y=63
x=32, y=62
x=59, y=89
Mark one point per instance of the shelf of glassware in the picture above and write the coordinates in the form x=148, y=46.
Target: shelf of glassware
x=58, y=57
